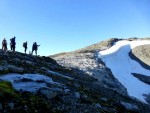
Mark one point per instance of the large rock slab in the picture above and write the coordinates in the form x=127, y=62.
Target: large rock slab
x=142, y=55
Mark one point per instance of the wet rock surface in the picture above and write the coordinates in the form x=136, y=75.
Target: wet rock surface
x=143, y=78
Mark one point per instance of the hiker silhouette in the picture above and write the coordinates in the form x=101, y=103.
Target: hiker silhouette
x=35, y=48
x=25, y=45
x=13, y=43
x=4, y=44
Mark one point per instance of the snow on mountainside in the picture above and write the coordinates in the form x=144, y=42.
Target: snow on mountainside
x=82, y=83
x=40, y=85
x=122, y=66
x=127, y=75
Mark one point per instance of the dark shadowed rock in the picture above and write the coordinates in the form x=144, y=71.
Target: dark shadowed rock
x=48, y=93
x=129, y=106
x=143, y=78
x=147, y=98
x=14, y=69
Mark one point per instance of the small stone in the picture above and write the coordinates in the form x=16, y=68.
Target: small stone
x=104, y=99
x=11, y=105
x=15, y=69
x=44, y=68
x=16, y=60
x=66, y=91
x=48, y=93
x=129, y=106
x=98, y=106
x=84, y=96
x=29, y=62
x=77, y=95
x=109, y=110
x=1, y=107
x=1, y=68
x=36, y=111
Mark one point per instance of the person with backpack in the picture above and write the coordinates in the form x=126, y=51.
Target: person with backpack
x=35, y=48
x=4, y=44
x=13, y=44
x=11, y=48
x=25, y=46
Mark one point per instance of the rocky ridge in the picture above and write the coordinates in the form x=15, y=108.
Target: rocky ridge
x=67, y=89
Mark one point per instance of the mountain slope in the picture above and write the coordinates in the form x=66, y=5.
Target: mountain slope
x=118, y=60
x=89, y=61
x=40, y=85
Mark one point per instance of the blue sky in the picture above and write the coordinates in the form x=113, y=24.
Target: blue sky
x=67, y=25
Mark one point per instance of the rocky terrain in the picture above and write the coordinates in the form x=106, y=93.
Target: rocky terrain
x=142, y=55
x=30, y=84
x=86, y=60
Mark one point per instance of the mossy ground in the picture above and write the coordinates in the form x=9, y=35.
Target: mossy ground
x=22, y=102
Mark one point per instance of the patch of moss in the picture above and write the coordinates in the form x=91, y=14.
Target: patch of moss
x=7, y=91
x=24, y=102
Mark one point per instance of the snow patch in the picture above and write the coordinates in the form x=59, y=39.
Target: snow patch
x=117, y=59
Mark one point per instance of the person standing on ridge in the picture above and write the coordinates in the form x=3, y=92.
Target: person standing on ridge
x=25, y=45
x=13, y=44
x=4, y=44
x=35, y=48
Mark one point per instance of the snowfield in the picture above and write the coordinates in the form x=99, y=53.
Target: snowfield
x=117, y=59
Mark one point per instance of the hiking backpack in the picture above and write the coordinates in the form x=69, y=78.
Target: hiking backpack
x=4, y=42
x=24, y=44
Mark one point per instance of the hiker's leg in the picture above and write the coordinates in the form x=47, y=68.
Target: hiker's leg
x=32, y=51
x=6, y=47
x=36, y=52
x=11, y=47
x=14, y=48
x=25, y=50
